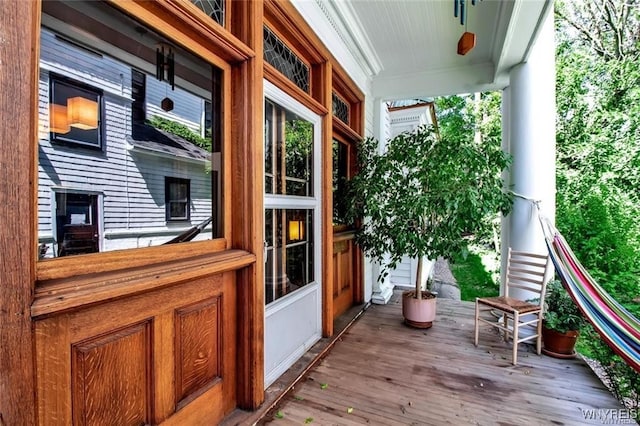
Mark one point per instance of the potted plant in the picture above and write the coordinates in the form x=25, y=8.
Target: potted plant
x=421, y=198
x=562, y=322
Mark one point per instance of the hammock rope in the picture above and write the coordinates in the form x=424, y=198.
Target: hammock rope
x=618, y=327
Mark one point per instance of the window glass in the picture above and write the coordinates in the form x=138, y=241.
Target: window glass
x=177, y=198
x=74, y=112
x=288, y=152
x=149, y=110
x=289, y=244
x=340, y=179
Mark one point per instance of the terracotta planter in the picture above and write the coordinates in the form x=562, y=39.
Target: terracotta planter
x=559, y=345
x=418, y=313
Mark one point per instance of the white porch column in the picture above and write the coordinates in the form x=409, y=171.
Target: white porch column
x=382, y=289
x=529, y=135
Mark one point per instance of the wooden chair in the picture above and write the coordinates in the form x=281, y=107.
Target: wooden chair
x=524, y=271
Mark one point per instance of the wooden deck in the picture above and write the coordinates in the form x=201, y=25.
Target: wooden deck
x=381, y=372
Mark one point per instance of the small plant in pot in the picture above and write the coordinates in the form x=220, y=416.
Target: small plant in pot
x=562, y=322
x=421, y=198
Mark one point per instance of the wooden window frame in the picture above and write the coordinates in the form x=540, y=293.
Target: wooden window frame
x=191, y=30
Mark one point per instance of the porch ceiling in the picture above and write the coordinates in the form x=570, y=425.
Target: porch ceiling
x=409, y=46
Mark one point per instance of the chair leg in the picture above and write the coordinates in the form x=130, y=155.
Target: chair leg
x=539, y=340
x=516, y=321
x=505, y=323
x=475, y=330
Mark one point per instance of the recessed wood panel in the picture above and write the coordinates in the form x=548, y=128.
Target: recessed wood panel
x=111, y=381
x=197, y=347
x=344, y=274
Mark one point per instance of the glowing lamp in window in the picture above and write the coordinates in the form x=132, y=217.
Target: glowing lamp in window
x=82, y=113
x=58, y=122
x=296, y=230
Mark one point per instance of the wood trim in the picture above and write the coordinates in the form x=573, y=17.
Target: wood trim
x=95, y=263
x=327, y=202
x=19, y=53
x=285, y=20
x=345, y=131
x=63, y=295
x=248, y=204
x=275, y=77
x=177, y=20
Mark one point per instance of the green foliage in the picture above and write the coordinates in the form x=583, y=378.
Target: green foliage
x=472, y=277
x=561, y=313
x=180, y=130
x=603, y=231
x=598, y=157
x=425, y=193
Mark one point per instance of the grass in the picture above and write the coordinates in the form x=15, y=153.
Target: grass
x=473, y=276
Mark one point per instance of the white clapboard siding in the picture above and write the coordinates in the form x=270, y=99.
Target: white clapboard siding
x=401, y=275
x=131, y=185
x=187, y=108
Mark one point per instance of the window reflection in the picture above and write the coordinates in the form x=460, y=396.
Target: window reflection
x=289, y=241
x=129, y=144
x=288, y=152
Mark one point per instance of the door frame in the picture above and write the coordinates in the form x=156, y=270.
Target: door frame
x=314, y=203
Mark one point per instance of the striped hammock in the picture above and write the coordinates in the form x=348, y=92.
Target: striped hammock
x=616, y=325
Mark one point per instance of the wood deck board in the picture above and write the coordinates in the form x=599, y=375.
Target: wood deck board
x=394, y=375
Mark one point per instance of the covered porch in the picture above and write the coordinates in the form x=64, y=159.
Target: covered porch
x=381, y=372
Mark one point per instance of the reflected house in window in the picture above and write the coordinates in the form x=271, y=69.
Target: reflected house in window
x=117, y=168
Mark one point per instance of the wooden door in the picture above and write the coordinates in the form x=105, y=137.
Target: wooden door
x=344, y=271
x=345, y=253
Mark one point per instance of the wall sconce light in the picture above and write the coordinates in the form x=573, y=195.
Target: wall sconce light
x=82, y=113
x=58, y=121
x=296, y=230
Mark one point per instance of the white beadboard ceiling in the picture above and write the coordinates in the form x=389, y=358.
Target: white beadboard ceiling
x=408, y=47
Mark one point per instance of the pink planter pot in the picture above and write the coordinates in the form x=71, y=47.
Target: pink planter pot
x=418, y=313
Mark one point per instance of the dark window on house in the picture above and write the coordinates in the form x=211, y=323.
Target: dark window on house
x=75, y=112
x=177, y=197
x=138, y=93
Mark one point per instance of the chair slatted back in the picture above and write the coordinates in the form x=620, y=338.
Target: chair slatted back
x=527, y=271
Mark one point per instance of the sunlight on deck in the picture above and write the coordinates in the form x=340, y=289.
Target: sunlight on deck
x=383, y=373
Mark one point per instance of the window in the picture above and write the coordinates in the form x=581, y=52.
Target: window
x=177, y=197
x=74, y=112
x=288, y=152
x=284, y=60
x=340, y=179
x=143, y=130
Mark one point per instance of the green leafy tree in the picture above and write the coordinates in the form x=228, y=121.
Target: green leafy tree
x=424, y=194
x=598, y=156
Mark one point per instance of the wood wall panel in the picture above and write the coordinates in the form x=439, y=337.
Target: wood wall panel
x=121, y=362
x=197, y=331
x=111, y=380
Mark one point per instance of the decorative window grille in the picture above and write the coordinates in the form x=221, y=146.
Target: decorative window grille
x=340, y=109
x=284, y=60
x=213, y=8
